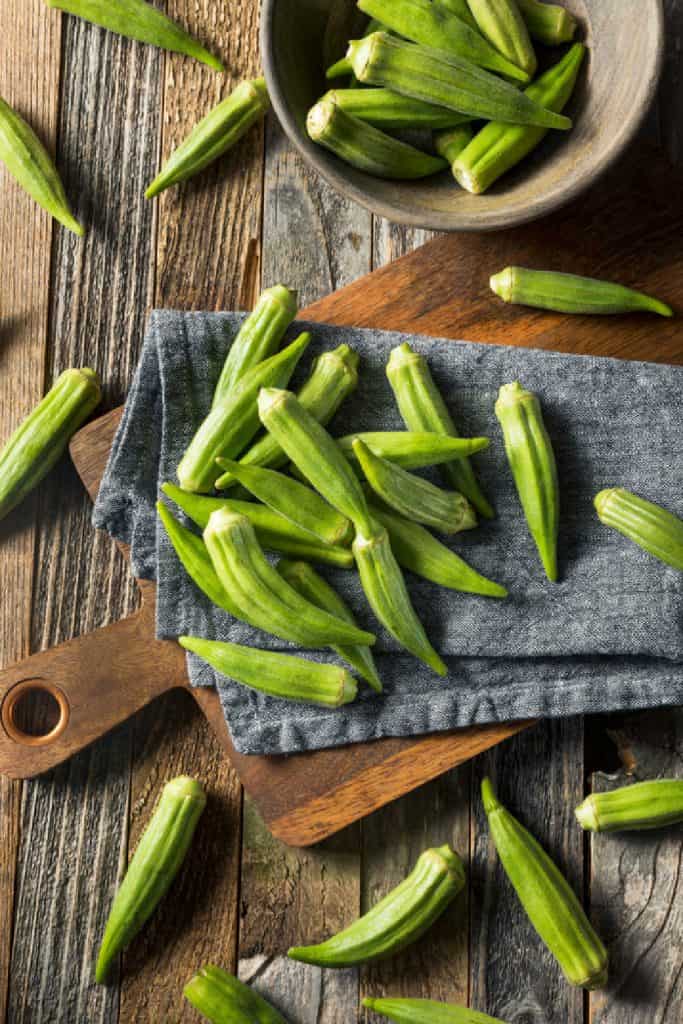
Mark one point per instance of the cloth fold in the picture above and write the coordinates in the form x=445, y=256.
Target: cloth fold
x=608, y=636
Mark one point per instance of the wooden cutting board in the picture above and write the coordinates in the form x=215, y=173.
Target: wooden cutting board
x=630, y=228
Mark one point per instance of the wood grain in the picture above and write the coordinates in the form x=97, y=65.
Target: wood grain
x=26, y=233
x=538, y=777
x=74, y=821
x=637, y=887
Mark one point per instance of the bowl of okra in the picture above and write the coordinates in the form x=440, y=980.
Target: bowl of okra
x=461, y=115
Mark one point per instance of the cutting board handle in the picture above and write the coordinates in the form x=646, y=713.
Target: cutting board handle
x=95, y=681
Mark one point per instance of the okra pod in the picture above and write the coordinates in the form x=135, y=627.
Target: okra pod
x=427, y=1011
x=233, y=421
x=223, y=999
x=651, y=527
x=37, y=443
x=386, y=109
x=412, y=496
x=422, y=408
x=278, y=675
x=398, y=920
x=450, y=143
x=139, y=20
x=333, y=377
x=413, y=449
x=547, y=897
x=214, y=135
x=194, y=558
x=265, y=600
x=343, y=65
x=306, y=581
x=532, y=461
x=499, y=146
x=569, y=293
x=272, y=530
x=501, y=22
x=366, y=147
x=643, y=805
x=155, y=863
x=461, y=9
x=447, y=81
x=548, y=23
x=417, y=550
x=28, y=161
x=386, y=591
x=258, y=337
x=432, y=24
x=315, y=453
x=293, y=500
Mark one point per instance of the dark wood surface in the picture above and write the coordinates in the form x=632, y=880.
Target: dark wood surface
x=243, y=897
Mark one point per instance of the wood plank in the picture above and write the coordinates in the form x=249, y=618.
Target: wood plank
x=637, y=887
x=539, y=777
x=209, y=227
x=74, y=821
x=207, y=255
x=294, y=896
x=29, y=81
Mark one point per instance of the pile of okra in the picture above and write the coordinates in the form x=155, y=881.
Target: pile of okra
x=464, y=73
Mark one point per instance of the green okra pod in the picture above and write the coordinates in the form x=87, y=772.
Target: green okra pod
x=232, y=422
x=548, y=23
x=343, y=65
x=386, y=591
x=532, y=461
x=295, y=501
x=264, y=599
x=427, y=1011
x=37, y=443
x=412, y=496
x=193, y=556
x=214, y=135
x=258, y=337
x=139, y=20
x=413, y=449
x=155, y=863
x=306, y=581
x=644, y=805
x=450, y=143
x=569, y=293
x=417, y=550
x=432, y=24
x=28, y=161
x=446, y=80
x=386, y=109
x=272, y=530
x=402, y=917
x=461, y=9
x=315, y=454
x=223, y=999
x=501, y=22
x=333, y=377
x=499, y=146
x=422, y=408
x=366, y=147
x=547, y=897
x=278, y=675
x=651, y=527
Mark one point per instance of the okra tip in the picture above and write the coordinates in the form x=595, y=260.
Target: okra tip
x=488, y=796
x=586, y=815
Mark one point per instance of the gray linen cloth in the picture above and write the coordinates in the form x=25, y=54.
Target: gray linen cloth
x=608, y=636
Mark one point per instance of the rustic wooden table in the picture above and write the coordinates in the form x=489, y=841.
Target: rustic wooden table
x=256, y=218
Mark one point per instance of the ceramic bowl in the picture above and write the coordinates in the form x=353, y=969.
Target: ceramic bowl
x=299, y=38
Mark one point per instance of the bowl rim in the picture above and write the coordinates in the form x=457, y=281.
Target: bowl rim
x=540, y=207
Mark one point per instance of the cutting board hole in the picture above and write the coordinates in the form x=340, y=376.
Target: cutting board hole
x=35, y=712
